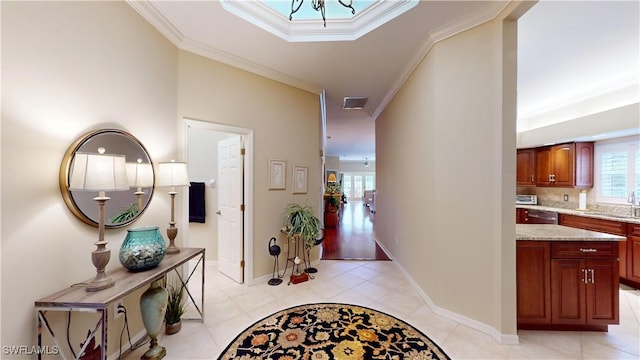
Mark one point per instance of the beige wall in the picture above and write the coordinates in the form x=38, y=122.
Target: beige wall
x=69, y=67
x=286, y=126
x=444, y=219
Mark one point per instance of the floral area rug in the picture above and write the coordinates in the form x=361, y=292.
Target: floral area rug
x=332, y=331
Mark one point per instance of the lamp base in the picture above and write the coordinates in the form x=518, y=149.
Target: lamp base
x=99, y=284
x=100, y=257
x=172, y=249
x=172, y=231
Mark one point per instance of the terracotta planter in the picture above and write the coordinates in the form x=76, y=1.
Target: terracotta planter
x=171, y=329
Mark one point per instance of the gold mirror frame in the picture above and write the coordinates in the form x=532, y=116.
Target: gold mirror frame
x=81, y=203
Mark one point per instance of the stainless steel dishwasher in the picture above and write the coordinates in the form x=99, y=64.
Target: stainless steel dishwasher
x=540, y=217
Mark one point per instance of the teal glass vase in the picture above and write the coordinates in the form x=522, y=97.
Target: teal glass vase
x=142, y=249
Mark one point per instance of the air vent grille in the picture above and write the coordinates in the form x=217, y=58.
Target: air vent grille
x=354, y=102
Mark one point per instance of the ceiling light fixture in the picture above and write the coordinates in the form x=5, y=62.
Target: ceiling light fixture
x=318, y=5
x=366, y=162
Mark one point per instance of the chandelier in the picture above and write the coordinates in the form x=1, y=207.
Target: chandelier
x=318, y=5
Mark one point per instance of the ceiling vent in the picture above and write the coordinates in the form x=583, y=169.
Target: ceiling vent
x=354, y=102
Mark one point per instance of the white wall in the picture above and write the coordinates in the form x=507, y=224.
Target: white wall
x=447, y=220
x=69, y=67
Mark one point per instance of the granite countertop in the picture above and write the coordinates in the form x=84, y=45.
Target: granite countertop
x=549, y=232
x=587, y=213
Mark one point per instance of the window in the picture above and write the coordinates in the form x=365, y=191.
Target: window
x=354, y=185
x=617, y=166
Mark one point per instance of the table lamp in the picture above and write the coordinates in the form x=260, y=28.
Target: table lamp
x=99, y=172
x=140, y=176
x=332, y=178
x=172, y=174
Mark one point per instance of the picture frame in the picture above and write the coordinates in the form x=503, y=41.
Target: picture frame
x=300, y=176
x=277, y=174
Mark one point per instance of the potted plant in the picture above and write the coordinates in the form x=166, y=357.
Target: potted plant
x=175, y=309
x=299, y=220
x=333, y=201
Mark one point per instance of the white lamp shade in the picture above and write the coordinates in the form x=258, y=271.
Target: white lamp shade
x=140, y=174
x=98, y=172
x=172, y=174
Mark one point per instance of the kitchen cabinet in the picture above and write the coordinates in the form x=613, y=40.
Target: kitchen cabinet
x=584, y=283
x=533, y=282
x=633, y=255
x=565, y=165
x=525, y=167
x=629, y=251
x=567, y=285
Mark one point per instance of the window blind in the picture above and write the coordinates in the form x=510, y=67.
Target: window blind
x=637, y=187
x=614, y=173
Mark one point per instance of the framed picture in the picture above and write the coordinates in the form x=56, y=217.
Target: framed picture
x=300, y=179
x=277, y=174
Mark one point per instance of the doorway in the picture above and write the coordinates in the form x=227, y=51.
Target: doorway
x=201, y=148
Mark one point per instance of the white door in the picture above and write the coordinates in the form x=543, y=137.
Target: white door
x=230, y=201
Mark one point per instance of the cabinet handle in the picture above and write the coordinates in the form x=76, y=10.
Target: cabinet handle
x=584, y=275
x=593, y=278
x=531, y=177
x=588, y=250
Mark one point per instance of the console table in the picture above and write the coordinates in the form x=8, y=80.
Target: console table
x=76, y=298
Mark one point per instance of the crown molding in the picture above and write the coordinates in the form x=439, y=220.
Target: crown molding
x=445, y=32
x=151, y=15
x=241, y=63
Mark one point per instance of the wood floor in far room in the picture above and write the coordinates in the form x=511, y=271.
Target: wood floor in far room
x=354, y=236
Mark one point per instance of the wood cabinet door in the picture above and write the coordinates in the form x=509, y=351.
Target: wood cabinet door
x=622, y=257
x=533, y=282
x=568, y=292
x=584, y=165
x=543, y=166
x=525, y=167
x=602, y=292
x=633, y=258
x=563, y=165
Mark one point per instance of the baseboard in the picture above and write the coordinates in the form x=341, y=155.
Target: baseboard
x=472, y=323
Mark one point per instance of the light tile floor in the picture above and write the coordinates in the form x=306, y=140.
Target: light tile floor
x=230, y=308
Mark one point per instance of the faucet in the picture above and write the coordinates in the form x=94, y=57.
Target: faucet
x=635, y=207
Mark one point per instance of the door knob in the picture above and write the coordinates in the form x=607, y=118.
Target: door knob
x=218, y=212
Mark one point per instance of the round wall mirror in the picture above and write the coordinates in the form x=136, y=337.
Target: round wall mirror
x=124, y=207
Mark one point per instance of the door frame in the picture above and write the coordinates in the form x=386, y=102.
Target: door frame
x=247, y=215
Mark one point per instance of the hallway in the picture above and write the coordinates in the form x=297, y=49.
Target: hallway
x=354, y=237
